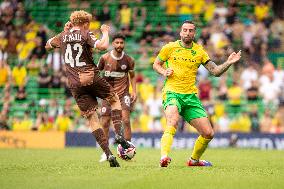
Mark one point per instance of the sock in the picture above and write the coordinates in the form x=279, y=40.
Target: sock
x=116, y=116
x=200, y=146
x=167, y=140
x=101, y=139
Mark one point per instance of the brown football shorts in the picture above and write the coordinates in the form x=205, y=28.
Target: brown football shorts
x=125, y=102
x=86, y=96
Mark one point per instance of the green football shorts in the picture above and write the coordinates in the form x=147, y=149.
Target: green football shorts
x=189, y=105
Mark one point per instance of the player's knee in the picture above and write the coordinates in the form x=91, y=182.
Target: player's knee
x=113, y=98
x=126, y=122
x=105, y=122
x=172, y=120
x=208, y=134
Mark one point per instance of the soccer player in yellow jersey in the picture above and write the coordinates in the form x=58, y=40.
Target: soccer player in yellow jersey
x=182, y=59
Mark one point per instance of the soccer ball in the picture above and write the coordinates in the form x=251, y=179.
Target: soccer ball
x=126, y=154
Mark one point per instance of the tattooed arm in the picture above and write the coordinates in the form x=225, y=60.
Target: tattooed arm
x=220, y=69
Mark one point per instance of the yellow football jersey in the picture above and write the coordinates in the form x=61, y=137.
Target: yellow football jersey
x=184, y=62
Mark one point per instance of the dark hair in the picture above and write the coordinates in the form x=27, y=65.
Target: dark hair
x=188, y=22
x=118, y=36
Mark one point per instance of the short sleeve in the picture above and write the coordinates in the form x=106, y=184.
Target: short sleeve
x=164, y=53
x=101, y=63
x=131, y=64
x=205, y=57
x=91, y=39
x=55, y=41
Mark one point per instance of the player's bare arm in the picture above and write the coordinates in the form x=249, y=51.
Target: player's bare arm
x=49, y=45
x=220, y=69
x=158, y=67
x=133, y=84
x=104, y=41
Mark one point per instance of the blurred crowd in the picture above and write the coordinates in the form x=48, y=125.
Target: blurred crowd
x=248, y=98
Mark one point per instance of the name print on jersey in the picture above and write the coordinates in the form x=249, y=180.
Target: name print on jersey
x=72, y=37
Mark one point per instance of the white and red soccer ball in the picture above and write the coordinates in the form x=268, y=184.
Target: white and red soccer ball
x=126, y=154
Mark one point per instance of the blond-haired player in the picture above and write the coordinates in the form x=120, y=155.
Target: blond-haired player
x=76, y=43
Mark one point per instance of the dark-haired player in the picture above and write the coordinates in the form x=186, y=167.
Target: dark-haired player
x=118, y=70
x=182, y=58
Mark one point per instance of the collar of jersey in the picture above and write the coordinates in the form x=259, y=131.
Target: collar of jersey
x=179, y=41
x=74, y=29
x=116, y=58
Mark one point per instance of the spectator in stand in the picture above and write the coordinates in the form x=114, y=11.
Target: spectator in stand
x=3, y=122
x=19, y=75
x=63, y=122
x=172, y=7
x=126, y=31
x=42, y=123
x=5, y=73
x=55, y=60
x=154, y=105
x=33, y=66
x=44, y=78
x=124, y=15
x=261, y=10
x=277, y=125
x=105, y=15
x=186, y=10
x=39, y=50
x=253, y=114
x=144, y=120
x=148, y=33
x=270, y=92
x=252, y=92
x=139, y=13
x=55, y=81
x=235, y=93
x=222, y=91
x=21, y=94
x=248, y=75
x=159, y=31
x=222, y=125
x=205, y=89
x=266, y=121
x=242, y=123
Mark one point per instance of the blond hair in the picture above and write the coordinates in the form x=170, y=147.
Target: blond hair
x=80, y=17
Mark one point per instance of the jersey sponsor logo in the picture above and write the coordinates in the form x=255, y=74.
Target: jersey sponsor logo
x=183, y=59
x=114, y=74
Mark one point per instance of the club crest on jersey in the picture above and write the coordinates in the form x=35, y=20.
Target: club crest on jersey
x=193, y=52
x=103, y=110
x=123, y=67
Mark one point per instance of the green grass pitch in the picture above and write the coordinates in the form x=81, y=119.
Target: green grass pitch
x=79, y=168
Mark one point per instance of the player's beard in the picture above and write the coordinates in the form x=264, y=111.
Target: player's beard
x=119, y=50
x=187, y=40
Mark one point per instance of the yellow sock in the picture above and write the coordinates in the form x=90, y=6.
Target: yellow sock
x=167, y=140
x=199, y=147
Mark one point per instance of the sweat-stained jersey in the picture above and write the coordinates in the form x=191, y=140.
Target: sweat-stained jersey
x=115, y=71
x=184, y=62
x=76, y=47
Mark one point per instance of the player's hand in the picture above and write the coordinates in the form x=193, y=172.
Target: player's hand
x=234, y=57
x=105, y=28
x=68, y=26
x=133, y=97
x=168, y=72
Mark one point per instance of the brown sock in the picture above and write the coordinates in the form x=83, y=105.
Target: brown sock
x=101, y=139
x=116, y=116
